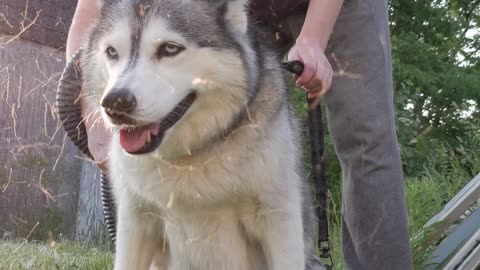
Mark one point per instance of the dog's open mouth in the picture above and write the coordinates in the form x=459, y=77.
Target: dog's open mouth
x=145, y=139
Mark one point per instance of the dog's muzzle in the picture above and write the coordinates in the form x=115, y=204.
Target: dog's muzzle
x=144, y=139
x=118, y=105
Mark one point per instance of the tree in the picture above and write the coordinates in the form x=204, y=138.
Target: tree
x=435, y=48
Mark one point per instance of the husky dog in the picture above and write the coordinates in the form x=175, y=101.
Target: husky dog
x=206, y=159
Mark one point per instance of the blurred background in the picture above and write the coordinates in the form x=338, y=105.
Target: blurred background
x=50, y=206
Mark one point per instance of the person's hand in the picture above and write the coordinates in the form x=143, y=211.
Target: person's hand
x=317, y=74
x=98, y=135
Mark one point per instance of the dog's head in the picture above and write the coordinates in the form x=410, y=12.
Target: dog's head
x=170, y=75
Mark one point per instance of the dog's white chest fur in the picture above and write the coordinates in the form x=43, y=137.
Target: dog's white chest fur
x=205, y=211
x=212, y=240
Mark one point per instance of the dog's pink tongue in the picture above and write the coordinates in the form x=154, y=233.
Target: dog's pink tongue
x=132, y=141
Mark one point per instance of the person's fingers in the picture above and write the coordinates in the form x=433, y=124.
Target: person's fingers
x=309, y=71
x=330, y=79
x=326, y=84
x=293, y=54
x=102, y=165
x=98, y=135
x=315, y=84
x=318, y=81
x=314, y=95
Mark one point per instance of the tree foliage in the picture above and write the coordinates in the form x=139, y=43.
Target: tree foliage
x=436, y=53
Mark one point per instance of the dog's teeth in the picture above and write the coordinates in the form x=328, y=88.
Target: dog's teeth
x=149, y=137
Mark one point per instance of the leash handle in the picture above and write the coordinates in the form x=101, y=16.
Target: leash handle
x=317, y=145
x=296, y=67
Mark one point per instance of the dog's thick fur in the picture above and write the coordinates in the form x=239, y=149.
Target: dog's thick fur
x=224, y=190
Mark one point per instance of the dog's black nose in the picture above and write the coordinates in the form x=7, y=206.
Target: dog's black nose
x=120, y=100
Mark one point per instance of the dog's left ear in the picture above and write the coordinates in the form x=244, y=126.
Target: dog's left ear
x=236, y=14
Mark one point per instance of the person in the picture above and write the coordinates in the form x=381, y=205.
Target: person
x=352, y=38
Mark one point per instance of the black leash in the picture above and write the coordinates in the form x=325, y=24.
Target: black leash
x=317, y=146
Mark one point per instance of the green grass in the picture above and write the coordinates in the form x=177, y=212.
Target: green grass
x=54, y=256
x=425, y=197
x=424, y=201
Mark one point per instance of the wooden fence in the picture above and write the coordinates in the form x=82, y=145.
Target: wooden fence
x=47, y=189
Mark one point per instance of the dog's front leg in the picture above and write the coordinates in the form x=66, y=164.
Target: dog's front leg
x=282, y=238
x=136, y=239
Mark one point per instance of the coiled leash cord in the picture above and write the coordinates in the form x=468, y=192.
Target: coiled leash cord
x=69, y=112
x=109, y=209
x=70, y=115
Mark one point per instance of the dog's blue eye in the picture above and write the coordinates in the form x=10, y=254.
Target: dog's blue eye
x=111, y=53
x=169, y=49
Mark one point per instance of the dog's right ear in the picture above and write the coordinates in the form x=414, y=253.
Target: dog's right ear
x=236, y=14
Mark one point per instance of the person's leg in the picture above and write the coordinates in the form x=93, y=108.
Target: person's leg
x=361, y=121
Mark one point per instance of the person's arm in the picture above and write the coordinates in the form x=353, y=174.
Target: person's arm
x=311, y=44
x=98, y=135
x=85, y=14
x=319, y=22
